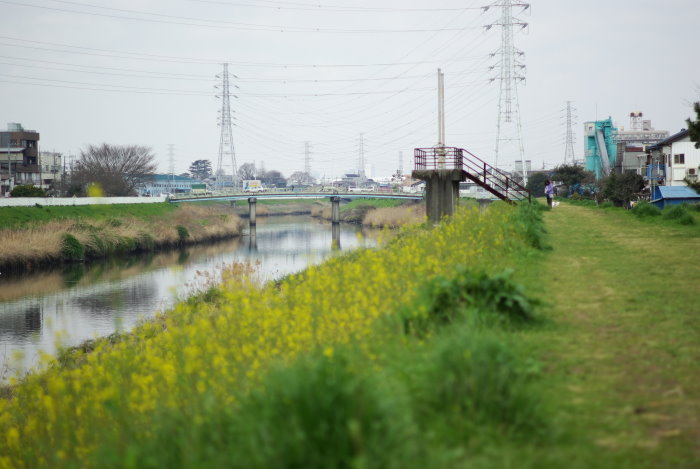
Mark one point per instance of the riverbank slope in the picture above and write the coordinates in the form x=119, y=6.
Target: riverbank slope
x=35, y=236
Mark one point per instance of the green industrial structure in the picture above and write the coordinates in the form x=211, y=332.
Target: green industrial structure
x=601, y=147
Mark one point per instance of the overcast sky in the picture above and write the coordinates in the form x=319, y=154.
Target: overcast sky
x=326, y=71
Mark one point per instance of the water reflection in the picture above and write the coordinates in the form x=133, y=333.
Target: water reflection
x=83, y=301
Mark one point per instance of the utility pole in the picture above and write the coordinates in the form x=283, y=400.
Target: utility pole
x=441, y=119
x=226, y=149
x=511, y=72
x=569, y=146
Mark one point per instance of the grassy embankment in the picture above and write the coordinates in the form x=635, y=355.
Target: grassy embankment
x=622, y=359
x=39, y=235
x=420, y=354
x=380, y=213
x=274, y=207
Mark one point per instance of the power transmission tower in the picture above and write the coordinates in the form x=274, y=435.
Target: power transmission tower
x=569, y=147
x=171, y=162
x=511, y=72
x=400, y=163
x=307, y=158
x=361, y=159
x=226, y=149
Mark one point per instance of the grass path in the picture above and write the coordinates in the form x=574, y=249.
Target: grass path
x=625, y=345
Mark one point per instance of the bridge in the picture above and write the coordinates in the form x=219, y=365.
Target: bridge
x=443, y=168
x=295, y=195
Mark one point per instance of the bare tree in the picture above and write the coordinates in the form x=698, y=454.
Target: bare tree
x=117, y=169
x=247, y=171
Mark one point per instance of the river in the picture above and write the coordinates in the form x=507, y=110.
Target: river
x=70, y=304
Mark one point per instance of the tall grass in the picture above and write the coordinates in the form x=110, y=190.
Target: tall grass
x=79, y=238
x=310, y=372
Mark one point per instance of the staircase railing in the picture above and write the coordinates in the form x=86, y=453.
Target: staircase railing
x=475, y=169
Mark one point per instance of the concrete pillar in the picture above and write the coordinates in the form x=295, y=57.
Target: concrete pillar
x=251, y=211
x=335, y=231
x=483, y=203
x=441, y=191
x=335, y=209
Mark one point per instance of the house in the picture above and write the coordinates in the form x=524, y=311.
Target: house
x=19, y=157
x=676, y=158
x=161, y=184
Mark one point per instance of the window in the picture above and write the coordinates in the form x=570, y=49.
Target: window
x=679, y=158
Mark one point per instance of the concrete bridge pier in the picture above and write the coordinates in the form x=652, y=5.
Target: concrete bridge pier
x=251, y=211
x=335, y=222
x=335, y=209
x=441, y=191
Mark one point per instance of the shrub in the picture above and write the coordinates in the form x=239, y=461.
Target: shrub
x=530, y=223
x=320, y=413
x=182, y=233
x=27, y=191
x=679, y=214
x=475, y=383
x=645, y=209
x=478, y=298
x=72, y=249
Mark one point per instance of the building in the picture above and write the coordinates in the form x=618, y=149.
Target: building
x=19, y=157
x=632, y=142
x=50, y=169
x=161, y=184
x=676, y=159
x=600, y=147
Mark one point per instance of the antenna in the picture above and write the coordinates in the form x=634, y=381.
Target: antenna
x=226, y=149
x=511, y=72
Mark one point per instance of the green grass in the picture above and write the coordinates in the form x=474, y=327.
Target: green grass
x=18, y=217
x=621, y=352
x=374, y=203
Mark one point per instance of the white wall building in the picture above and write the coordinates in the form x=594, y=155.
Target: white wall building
x=679, y=156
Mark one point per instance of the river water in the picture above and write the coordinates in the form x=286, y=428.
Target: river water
x=70, y=304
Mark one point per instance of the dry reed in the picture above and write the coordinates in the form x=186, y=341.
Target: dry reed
x=394, y=217
x=43, y=243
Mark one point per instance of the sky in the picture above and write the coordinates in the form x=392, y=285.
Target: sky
x=337, y=72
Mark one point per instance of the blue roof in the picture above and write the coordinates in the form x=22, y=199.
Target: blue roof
x=676, y=192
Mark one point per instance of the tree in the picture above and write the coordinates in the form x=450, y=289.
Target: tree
x=573, y=177
x=27, y=191
x=300, y=178
x=694, y=126
x=535, y=184
x=273, y=178
x=620, y=189
x=200, y=169
x=116, y=170
x=247, y=171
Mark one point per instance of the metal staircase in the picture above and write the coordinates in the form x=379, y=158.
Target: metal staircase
x=474, y=168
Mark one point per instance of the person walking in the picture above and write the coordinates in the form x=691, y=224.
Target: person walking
x=549, y=192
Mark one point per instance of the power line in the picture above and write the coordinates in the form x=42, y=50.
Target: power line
x=215, y=24
x=326, y=8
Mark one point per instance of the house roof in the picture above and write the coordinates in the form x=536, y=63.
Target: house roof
x=673, y=138
x=677, y=192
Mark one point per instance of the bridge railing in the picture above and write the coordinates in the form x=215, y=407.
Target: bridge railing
x=438, y=158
